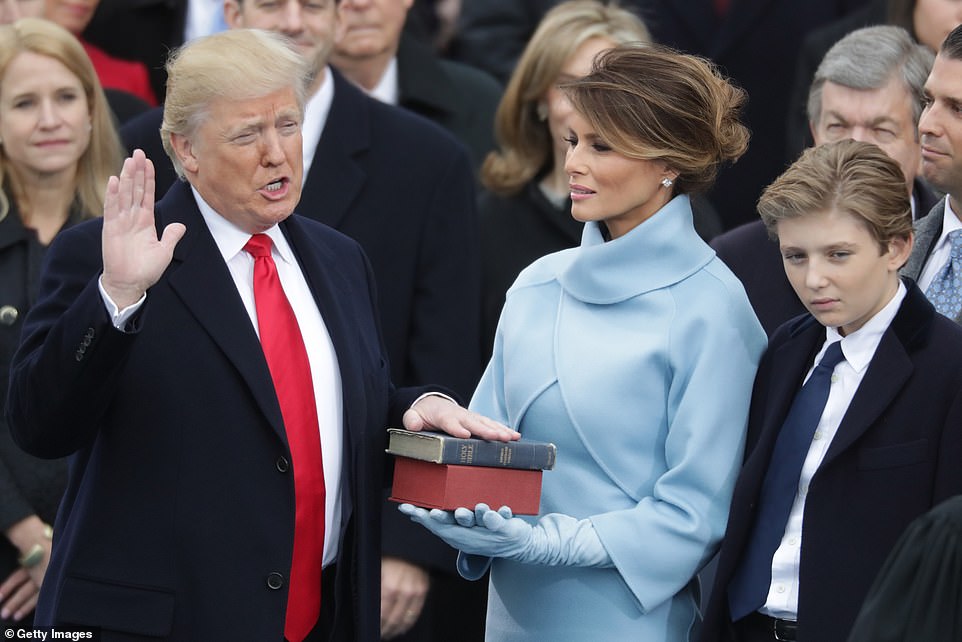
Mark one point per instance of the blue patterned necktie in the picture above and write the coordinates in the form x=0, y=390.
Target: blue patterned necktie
x=748, y=589
x=945, y=291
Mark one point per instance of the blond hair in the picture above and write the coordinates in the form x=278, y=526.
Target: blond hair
x=104, y=153
x=847, y=176
x=524, y=140
x=237, y=64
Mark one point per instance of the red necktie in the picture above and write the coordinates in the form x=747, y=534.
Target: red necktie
x=287, y=359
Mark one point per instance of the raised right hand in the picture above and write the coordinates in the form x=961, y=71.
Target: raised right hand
x=133, y=257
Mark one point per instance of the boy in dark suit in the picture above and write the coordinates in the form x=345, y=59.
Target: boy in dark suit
x=855, y=426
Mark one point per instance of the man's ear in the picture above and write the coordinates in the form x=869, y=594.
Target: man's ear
x=232, y=14
x=899, y=249
x=184, y=150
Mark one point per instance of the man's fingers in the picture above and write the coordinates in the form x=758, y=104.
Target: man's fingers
x=172, y=235
x=125, y=187
x=137, y=184
x=112, y=198
x=150, y=185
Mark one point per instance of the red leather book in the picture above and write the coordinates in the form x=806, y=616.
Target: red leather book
x=449, y=486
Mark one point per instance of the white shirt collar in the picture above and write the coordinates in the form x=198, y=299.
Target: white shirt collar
x=950, y=223
x=315, y=117
x=386, y=89
x=231, y=239
x=859, y=346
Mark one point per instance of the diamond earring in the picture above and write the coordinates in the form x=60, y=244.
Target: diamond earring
x=666, y=182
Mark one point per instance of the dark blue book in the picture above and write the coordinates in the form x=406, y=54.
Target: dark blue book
x=442, y=448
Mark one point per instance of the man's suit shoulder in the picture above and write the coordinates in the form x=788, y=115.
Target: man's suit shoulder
x=392, y=125
x=741, y=244
x=324, y=233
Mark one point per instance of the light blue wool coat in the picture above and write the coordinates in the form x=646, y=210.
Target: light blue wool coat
x=636, y=357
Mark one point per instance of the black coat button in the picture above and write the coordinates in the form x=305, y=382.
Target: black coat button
x=282, y=464
x=275, y=581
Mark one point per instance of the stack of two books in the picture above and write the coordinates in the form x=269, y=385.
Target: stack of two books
x=436, y=470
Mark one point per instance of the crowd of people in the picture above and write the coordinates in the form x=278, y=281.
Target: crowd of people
x=711, y=250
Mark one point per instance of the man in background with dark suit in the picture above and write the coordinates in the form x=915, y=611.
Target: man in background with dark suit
x=395, y=67
x=163, y=366
x=936, y=259
x=868, y=87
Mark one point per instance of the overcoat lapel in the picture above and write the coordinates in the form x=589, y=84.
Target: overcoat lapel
x=199, y=276
x=887, y=373
x=795, y=358
x=336, y=176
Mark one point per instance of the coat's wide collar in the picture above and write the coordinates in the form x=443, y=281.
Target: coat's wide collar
x=647, y=258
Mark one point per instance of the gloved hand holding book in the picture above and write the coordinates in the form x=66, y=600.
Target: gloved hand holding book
x=554, y=540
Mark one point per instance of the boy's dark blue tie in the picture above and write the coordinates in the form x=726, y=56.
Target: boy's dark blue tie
x=748, y=589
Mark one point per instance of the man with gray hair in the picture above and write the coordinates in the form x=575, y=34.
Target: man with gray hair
x=869, y=87
x=223, y=389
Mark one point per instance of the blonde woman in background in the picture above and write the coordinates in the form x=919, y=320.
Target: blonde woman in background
x=57, y=149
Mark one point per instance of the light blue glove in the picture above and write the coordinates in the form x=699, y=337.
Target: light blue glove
x=554, y=540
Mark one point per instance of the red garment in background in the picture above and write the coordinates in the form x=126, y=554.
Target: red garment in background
x=116, y=73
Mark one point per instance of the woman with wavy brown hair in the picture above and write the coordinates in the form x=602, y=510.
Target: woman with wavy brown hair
x=526, y=212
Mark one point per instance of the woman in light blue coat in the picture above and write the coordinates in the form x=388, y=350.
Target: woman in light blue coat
x=635, y=354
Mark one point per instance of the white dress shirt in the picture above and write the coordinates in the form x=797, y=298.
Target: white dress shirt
x=387, y=90
x=325, y=372
x=858, y=348
x=315, y=117
x=942, y=249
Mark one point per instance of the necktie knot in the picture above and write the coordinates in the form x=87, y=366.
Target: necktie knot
x=259, y=246
x=833, y=355
x=945, y=291
x=955, y=239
